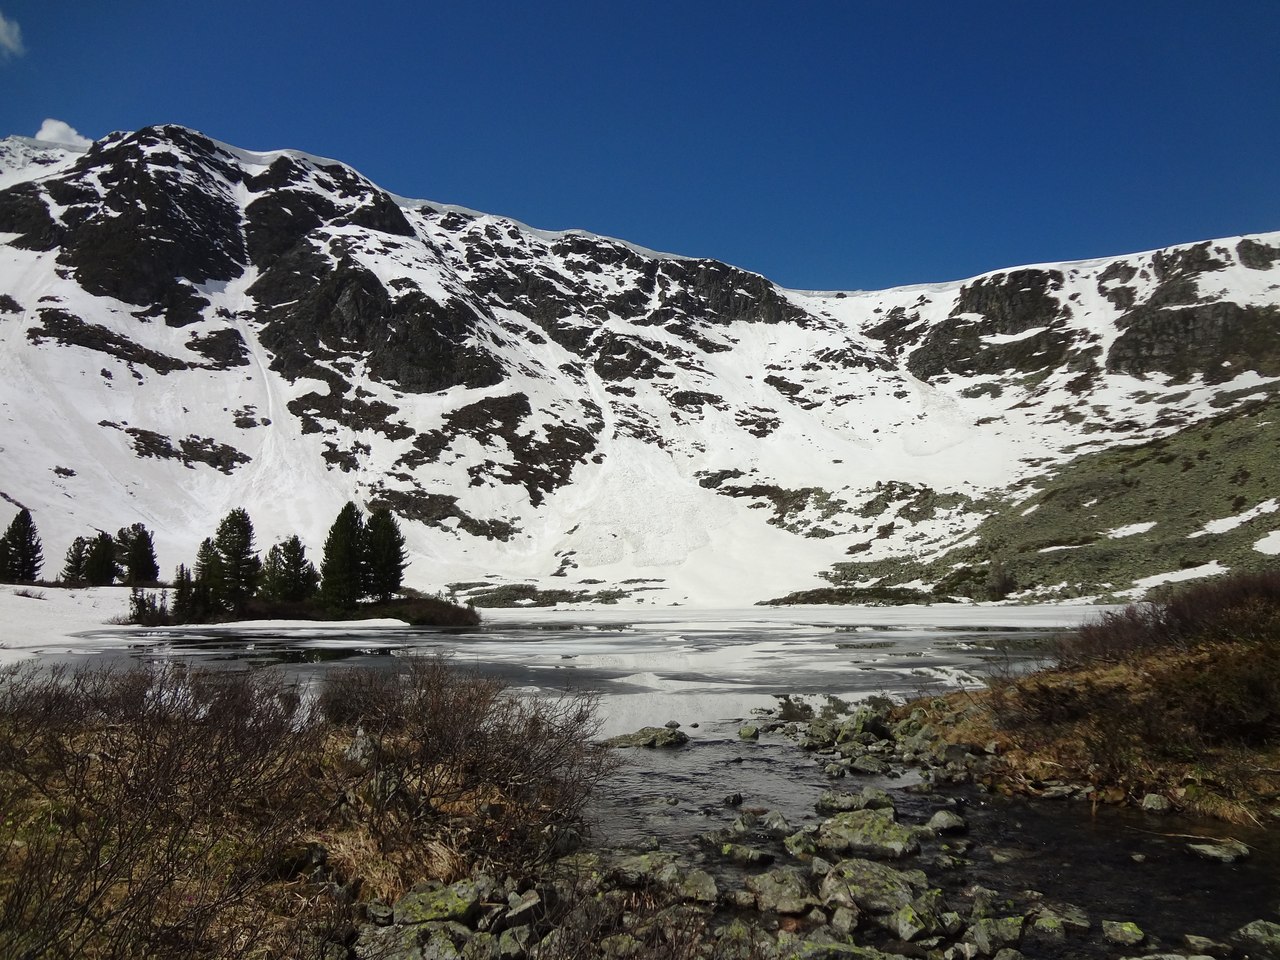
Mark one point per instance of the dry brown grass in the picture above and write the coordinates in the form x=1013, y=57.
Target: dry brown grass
x=1180, y=698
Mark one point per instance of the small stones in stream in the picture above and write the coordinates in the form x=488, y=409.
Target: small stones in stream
x=847, y=885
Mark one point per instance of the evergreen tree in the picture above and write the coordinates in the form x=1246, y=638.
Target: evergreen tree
x=184, y=600
x=385, y=556
x=74, y=566
x=271, y=584
x=241, y=565
x=136, y=555
x=287, y=574
x=22, y=553
x=100, y=561
x=208, y=590
x=343, y=569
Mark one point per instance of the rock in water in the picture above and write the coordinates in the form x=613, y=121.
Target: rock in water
x=652, y=737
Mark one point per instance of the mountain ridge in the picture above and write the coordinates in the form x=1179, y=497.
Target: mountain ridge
x=522, y=398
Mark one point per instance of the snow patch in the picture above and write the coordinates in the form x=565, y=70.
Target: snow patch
x=1230, y=523
x=1131, y=530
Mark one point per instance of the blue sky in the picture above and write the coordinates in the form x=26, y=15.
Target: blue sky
x=826, y=145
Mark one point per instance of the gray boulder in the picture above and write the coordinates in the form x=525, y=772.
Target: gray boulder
x=1259, y=940
x=459, y=902
x=842, y=801
x=1220, y=851
x=870, y=833
x=870, y=886
x=784, y=890
x=1123, y=933
x=651, y=737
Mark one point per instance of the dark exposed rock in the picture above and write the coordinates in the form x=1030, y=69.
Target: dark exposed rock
x=189, y=450
x=313, y=309
x=1010, y=305
x=69, y=330
x=277, y=222
x=1219, y=340
x=23, y=211
x=432, y=508
x=1255, y=255
x=158, y=226
x=224, y=348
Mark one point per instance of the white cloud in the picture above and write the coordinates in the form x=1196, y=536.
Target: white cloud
x=10, y=38
x=55, y=131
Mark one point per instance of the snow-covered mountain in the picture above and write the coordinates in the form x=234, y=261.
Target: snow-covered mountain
x=187, y=327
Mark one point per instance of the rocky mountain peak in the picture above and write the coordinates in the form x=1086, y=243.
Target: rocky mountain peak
x=188, y=326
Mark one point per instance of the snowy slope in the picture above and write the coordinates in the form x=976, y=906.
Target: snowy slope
x=186, y=327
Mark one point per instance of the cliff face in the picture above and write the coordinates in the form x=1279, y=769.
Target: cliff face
x=189, y=327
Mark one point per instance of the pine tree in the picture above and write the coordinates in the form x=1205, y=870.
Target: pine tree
x=184, y=600
x=241, y=565
x=287, y=574
x=385, y=556
x=100, y=561
x=136, y=555
x=342, y=570
x=22, y=554
x=209, y=594
x=74, y=564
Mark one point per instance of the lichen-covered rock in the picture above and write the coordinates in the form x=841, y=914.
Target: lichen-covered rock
x=1055, y=920
x=784, y=890
x=749, y=732
x=773, y=822
x=482, y=946
x=842, y=801
x=641, y=869
x=869, y=765
x=650, y=737
x=1259, y=939
x=1124, y=933
x=871, y=833
x=697, y=885
x=388, y=943
x=870, y=886
x=514, y=943
x=991, y=934
x=946, y=821
x=459, y=901
x=750, y=856
x=803, y=843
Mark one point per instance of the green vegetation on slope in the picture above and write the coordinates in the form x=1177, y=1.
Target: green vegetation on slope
x=1055, y=542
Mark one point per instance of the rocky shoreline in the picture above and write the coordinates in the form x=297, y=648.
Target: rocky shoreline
x=875, y=873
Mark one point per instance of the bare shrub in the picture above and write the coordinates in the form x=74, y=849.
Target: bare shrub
x=455, y=757
x=142, y=809
x=1238, y=607
x=184, y=813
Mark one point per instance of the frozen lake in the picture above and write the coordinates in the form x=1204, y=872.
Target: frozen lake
x=650, y=666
